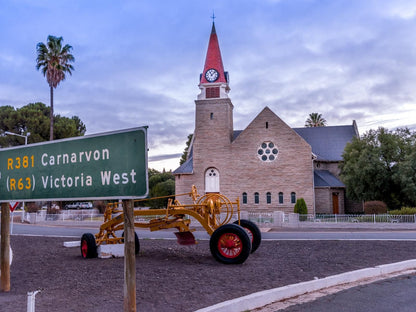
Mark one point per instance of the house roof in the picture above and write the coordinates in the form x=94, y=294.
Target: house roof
x=324, y=178
x=328, y=143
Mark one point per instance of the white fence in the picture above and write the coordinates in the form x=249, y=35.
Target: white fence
x=281, y=218
x=269, y=219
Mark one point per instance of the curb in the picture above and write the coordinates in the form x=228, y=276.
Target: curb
x=262, y=298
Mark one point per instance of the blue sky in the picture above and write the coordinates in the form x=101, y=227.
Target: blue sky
x=138, y=62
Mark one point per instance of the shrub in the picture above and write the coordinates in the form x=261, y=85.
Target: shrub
x=404, y=211
x=31, y=207
x=375, y=207
x=300, y=207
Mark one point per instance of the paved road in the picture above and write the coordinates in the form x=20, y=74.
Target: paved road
x=76, y=230
x=395, y=294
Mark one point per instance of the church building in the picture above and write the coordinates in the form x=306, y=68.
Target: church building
x=268, y=165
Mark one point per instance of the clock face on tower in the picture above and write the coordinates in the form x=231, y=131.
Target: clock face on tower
x=211, y=75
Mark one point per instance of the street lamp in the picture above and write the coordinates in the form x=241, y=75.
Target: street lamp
x=22, y=136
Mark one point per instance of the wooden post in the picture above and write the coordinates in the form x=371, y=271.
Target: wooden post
x=5, y=248
x=129, y=258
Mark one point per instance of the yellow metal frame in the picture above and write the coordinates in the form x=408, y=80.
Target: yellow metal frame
x=205, y=209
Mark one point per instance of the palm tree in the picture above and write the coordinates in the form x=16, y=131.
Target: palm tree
x=315, y=120
x=54, y=60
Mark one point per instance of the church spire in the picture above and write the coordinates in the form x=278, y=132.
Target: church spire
x=213, y=77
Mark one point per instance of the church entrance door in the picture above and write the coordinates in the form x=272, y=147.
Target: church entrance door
x=335, y=203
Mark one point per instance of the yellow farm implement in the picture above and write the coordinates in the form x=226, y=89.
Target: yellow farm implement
x=229, y=243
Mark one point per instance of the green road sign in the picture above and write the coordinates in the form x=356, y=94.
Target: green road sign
x=103, y=166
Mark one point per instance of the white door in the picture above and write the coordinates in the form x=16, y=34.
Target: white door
x=212, y=181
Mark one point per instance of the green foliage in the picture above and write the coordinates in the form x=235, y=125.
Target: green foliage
x=34, y=118
x=53, y=59
x=160, y=184
x=404, y=211
x=315, y=120
x=300, y=207
x=381, y=166
x=185, y=152
x=375, y=207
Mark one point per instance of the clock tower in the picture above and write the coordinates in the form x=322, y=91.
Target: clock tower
x=214, y=81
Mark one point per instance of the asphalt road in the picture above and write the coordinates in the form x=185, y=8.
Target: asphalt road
x=76, y=230
x=395, y=294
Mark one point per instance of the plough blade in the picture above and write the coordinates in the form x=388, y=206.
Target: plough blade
x=185, y=238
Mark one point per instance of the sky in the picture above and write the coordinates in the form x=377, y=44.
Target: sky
x=137, y=63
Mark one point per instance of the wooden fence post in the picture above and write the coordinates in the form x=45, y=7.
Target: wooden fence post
x=129, y=258
x=5, y=248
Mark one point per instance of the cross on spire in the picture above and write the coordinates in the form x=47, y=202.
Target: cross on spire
x=213, y=17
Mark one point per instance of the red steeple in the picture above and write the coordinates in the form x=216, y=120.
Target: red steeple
x=213, y=61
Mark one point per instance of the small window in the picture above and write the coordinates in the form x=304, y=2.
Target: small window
x=211, y=116
x=269, y=197
x=267, y=125
x=256, y=198
x=293, y=198
x=280, y=198
x=244, y=198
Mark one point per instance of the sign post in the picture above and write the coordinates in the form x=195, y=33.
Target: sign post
x=5, y=248
x=12, y=206
x=129, y=258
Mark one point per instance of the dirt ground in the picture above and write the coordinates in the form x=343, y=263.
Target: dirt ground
x=171, y=277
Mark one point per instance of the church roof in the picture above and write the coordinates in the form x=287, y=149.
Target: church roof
x=324, y=178
x=328, y=143
x=188, y=166
x=213, y=58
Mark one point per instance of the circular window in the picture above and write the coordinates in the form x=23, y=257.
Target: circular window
x=267, y=151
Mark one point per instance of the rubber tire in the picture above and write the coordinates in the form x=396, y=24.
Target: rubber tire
x=136, y=243
x=240, y=233
x=88, y=240
x=254, y=230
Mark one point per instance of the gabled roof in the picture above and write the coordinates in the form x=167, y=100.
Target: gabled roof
x=213, y=58
x=324, y=178
x=328, y=143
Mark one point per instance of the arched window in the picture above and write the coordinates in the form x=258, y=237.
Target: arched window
x=293, y=198
x=212, y=181
x=269, y=197
x=280, y=197
x=256, y=198
x=244, y=198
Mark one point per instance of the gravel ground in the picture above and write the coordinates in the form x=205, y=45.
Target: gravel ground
x=171, y=277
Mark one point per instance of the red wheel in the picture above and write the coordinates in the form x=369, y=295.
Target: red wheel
x=88, y=246
x=253, y=232
x=230, y=244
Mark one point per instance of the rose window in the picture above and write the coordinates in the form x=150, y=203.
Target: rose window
x=267, y=151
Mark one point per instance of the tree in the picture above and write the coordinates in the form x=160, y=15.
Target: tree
x=54, y=60
x=315, y=120
x=381, y=166
x=185, y=151
x=34, y=118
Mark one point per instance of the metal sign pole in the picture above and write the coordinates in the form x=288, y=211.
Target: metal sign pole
x=5, y=248
x=129, y=258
